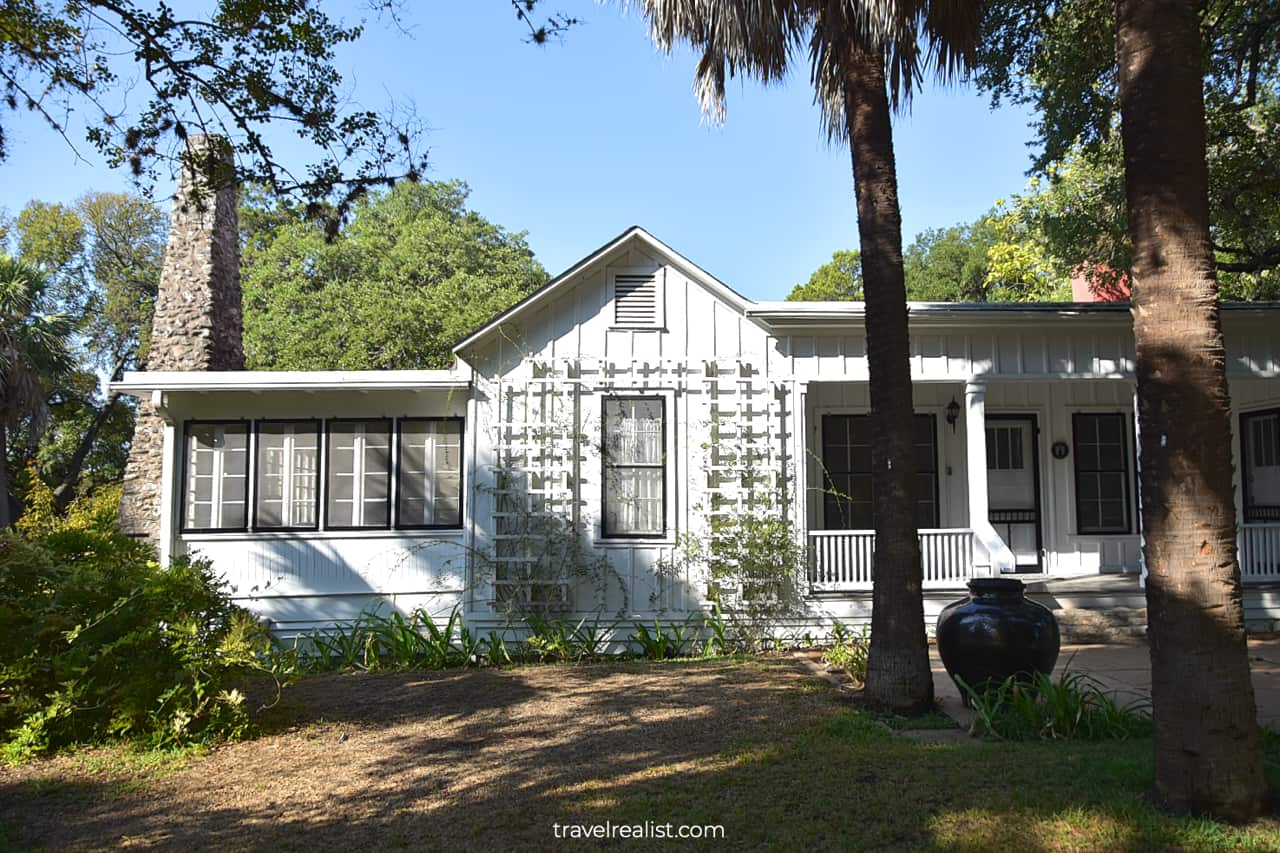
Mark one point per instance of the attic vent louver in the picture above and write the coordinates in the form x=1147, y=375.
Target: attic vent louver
x=635, y=299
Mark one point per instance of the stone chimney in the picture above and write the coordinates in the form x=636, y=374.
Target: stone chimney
x=197, y=322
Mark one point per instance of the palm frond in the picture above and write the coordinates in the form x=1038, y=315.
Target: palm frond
x=761, y=38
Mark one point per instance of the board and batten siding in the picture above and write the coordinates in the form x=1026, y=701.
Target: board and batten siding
x=574, y=331
x=304, y=580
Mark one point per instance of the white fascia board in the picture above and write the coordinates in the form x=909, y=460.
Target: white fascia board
x=140, y=383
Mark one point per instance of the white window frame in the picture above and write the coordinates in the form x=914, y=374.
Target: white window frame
x=659, y=277
x=288, y=474
x=217, y=475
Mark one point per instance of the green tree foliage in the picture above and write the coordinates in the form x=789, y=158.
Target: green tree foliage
x=101, y=257
x=409, y=276
x=143, y=77
x=1058, y=57
x=838, y=280
x=34, y=358
x=1001, y=257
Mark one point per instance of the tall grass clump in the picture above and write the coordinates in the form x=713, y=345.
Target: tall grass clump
x=1075, y=707
x=377, y=642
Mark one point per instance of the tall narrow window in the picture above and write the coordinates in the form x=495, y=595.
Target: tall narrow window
x=1102, y=472
x=1260, y=447
x=846, y=460
x=634, y=466
x=287, y=492
x=359, y=474
x=217, y=473
x=429, y=479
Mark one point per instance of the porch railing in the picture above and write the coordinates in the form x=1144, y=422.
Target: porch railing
x=841, y=560
x=1260, y=551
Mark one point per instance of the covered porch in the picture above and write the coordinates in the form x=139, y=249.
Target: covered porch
x=1056, y=497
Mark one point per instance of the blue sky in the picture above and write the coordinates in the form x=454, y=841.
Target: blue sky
x=575, y=141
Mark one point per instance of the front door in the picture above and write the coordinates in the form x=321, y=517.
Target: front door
x=1013, y=486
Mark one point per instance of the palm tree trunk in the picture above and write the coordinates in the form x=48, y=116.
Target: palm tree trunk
x=1207, y=744
x=6, y=510
x=898, y=673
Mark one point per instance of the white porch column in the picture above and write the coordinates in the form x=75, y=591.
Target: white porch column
x=1137, y=488
x=975, y=434
x=171, y=503
x=800, y=458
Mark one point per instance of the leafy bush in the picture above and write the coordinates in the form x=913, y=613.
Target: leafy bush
x=1076, y=707
x=849, y=652
x=98, y=641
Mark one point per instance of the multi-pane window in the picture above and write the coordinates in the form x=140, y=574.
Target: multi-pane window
x=848, y=502
x=634, y=466
x=1102, y=462
x=287, y=489
x=1260, y=447
x=217, y=476
x=359, y=474
x=1004, y=447
x=429, y=478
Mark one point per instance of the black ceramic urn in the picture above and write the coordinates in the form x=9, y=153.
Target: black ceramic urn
x=995, y=633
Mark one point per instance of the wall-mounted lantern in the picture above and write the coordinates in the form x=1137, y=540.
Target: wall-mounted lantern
x=953, y=413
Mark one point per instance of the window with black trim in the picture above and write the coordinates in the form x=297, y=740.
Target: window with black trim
x=848, y=502
x=358, y=466
x=1260, y=451
x=287, y=476
x=217, y=476
x=429, y=476
x=635, y=474
x=1103, y=471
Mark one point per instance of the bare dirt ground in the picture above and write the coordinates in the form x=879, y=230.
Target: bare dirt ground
x=486, y=759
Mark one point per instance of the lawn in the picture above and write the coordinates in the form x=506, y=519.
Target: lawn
x=495, y=758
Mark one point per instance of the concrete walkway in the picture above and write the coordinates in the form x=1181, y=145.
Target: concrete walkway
x=1125, y=668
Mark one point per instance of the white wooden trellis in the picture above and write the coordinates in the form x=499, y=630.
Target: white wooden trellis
x=539, y=450
x=746, y=453
x=540, y=443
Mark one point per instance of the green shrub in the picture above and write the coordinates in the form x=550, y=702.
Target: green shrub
x=98, y=641
x=849, y=652
x=1076, y=707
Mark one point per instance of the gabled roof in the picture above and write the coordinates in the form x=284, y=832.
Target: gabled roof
x=634, y=233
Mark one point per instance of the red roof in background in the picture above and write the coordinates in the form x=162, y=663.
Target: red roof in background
x=1098, y=283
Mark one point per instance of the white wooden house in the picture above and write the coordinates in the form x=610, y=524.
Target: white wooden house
x=624, y=399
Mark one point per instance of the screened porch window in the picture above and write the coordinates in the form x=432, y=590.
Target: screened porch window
x=1102, y=472
x=429, y=479
x=848, y=502
x=1260, y=450
x=634, y=436
x=359, y=474
x=288, y=477
x=217, y=473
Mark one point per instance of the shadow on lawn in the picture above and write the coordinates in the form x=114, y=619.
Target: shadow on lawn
x=492, y=759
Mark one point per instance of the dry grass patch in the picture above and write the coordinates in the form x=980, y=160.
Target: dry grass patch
x=491, y=759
